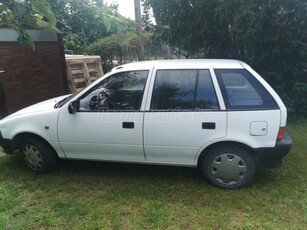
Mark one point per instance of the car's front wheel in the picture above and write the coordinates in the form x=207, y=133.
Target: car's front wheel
x=37, y=155
x=229, y=167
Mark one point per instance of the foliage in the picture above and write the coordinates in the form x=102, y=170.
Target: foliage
x=146, y=17
x=269, y=35
x=153, y=48
x=87, y=21
x=120, y=47
x=33, y=13
x=100, y=195
x=83, y=21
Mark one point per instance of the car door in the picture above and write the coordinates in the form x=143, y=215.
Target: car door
x=183, y=115
x=108, y=123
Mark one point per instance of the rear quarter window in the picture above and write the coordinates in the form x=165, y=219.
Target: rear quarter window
x=242, y=91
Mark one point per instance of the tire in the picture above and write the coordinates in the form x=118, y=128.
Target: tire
x=37, y=155
x=229, y=167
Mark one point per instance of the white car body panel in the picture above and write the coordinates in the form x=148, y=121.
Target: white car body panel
x=167, y=134
x=44, y=114
x=238, y=127
x=100, y=136
x=23, y=123
x=47, y=105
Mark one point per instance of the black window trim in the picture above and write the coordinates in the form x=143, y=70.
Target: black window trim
x=195, y=93
x=243, y=108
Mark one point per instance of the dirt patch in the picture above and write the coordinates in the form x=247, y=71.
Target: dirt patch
x=237, y=219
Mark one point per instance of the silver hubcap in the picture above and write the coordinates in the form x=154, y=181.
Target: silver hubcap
x=33, y=157
x=228, y=168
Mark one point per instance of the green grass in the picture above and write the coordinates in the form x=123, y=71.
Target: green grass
x=97, y=195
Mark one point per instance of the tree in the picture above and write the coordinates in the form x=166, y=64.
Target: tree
x=270, y=35
x=85, y=22
x=146, y=17
x=33, y=13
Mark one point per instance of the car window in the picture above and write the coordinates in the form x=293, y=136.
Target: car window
x=119, y=92
x=183, y=90
x=205, y=93
x=241, y=90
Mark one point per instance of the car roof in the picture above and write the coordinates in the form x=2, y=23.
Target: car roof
x=183, y=64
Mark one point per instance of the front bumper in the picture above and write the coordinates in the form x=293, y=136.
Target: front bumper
x=6, y=145
x=273, y=157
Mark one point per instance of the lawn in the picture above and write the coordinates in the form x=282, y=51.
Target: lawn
x=97, y=195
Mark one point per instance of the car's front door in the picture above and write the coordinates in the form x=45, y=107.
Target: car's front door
x=108, y=124
x=184, y=114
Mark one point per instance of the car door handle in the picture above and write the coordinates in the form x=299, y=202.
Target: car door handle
x=208, y=125
x=128, y=125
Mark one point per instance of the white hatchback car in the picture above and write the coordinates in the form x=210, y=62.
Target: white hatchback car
x=217, y=114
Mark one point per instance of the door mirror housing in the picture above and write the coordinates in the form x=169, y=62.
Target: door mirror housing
x=72, y=107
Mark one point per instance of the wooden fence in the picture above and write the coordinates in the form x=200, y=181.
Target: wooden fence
x=29, y=77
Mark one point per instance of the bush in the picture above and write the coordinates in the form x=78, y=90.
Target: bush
x=118, y=48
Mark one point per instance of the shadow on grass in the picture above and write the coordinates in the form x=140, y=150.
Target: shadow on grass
x=13, y=164
x=126, y=172
x=100, y=167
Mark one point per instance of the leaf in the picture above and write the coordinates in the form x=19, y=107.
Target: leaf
x=106, y=23
x=3, y=8
x=23, y=37
x=5, y=19
x=22, y=9
x=34, y=22
x=43, y=9
x=39, y=16
x=15, y=28
x=46, y=26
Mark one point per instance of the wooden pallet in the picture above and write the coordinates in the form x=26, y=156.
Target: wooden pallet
x=82, y=71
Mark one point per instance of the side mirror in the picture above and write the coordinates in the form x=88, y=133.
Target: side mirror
x=72, y=107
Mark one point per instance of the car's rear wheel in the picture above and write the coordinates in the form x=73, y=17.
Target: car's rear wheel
x=229, y=167
x=38, y=155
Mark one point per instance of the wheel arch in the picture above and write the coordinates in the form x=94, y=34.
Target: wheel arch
x=207, y=149
x=16, y=141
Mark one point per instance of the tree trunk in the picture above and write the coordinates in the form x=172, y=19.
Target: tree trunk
x=167, y=51
x=138, y=18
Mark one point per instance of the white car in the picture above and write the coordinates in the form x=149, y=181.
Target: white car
x=216, y=114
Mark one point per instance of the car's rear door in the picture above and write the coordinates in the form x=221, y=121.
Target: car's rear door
x=183, y=114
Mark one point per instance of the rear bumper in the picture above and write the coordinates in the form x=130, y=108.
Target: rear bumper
x=273, y=157
x=6, y=145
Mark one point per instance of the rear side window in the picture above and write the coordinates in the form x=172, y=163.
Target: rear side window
x=183, y=90
x=242, y=91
